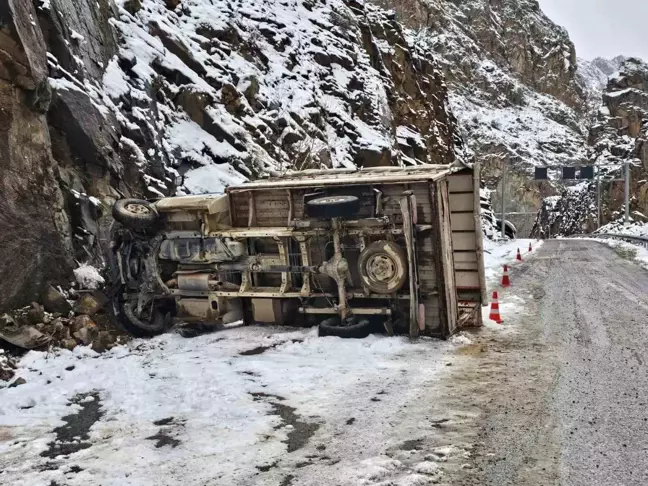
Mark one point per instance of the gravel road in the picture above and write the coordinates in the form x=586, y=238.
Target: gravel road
x=561, y=391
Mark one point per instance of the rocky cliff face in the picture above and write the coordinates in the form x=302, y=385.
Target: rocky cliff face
x=523, y=99
x=104, y=100
x=35, y=239
x=618, y=135
x=514, y=85
x=594, y=75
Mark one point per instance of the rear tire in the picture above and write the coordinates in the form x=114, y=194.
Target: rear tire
x=333, y=327
x=135, y=214
x=333, y=207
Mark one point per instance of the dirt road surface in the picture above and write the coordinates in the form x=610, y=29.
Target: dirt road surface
x=561, y=391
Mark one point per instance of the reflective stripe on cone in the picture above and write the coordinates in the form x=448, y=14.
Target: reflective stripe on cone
x=506, y=282
x=494, y=312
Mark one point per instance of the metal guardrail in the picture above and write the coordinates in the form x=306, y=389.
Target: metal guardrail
x=636, y=240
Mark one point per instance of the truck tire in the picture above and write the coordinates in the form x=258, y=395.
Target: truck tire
x=333, y=207
x=135, y=214
x=157, y=324
x=333, y=327
x=383, y=267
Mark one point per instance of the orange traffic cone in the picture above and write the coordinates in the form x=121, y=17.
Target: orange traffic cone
x=494, y=312
x=506, y=282
x=530, y=247
x=518, y=257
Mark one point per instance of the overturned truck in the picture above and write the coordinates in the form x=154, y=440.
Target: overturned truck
x=351, y=251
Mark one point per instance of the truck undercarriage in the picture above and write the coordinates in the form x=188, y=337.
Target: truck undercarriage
x=337, y=264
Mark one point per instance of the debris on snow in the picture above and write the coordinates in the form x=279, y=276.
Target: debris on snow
x=427, y=467
x=7, y=366
x=88, y=277
x=460, y=339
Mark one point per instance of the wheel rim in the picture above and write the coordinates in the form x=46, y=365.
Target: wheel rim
x=137, y=208
x=381, y=268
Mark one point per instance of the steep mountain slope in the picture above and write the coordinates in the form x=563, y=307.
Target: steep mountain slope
x=108, y=100
x=621, y=135
x=618, y=135
x=270, y=86
x=594, y=74
x=514, y=88
x=511, y=73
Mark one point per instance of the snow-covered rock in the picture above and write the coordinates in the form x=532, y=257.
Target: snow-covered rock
x=222, y=93
x=594, y=75
x=515, y=87
x=511, y=75
x=634, y=228
x=120, y=99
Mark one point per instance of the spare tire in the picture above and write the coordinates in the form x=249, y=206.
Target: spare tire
x=333, y=327
x=333, y=207
x=135, y=213
x=383, y=267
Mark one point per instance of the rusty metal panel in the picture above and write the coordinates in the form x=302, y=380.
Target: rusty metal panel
x=298, y=203
x=196, y=309
x=427, y=263
x=432, y=318
x=271, y=208
x=239, y=209
x=264, y=310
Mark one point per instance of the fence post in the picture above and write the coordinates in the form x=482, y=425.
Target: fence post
x=627, y=193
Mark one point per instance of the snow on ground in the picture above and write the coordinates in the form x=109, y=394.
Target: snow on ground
x=630, y=251
x=236, y=407
x=634, y=228
x=496, y=255
x=246, y=406
x=500, y=253
x=634, y=252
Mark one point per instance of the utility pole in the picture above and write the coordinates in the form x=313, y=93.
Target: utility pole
x=503, y=197
x=627, y=193
x=598, y=197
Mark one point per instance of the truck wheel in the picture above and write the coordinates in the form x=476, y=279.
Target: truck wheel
x=333, y=207
x=334, y=327
x=135, y=213
x=383, y=267
x=143, y=326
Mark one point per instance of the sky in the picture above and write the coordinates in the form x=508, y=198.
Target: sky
x=604, y=28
